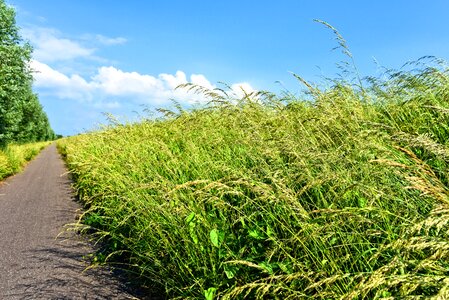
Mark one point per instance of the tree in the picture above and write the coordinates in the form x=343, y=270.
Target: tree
x=22, y=118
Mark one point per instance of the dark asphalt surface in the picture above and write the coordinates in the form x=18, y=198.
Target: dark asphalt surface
x=36, y=263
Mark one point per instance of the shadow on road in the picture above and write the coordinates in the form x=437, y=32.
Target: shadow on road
x=69, y=278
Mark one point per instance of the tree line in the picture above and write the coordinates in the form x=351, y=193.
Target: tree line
x=22, y=118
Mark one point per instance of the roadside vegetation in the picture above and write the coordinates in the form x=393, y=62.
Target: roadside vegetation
x=14, y=157
x=341, y=193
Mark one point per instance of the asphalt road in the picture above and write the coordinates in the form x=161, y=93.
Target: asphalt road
x=36, y=261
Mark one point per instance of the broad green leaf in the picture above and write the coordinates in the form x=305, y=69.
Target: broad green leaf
x=216, y=237
x=209, y=294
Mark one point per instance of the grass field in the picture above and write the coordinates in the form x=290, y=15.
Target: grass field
x=14, y=157
x=340, y=196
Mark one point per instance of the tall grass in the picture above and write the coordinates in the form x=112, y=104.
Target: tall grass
x=341, y=197
x=14, y=157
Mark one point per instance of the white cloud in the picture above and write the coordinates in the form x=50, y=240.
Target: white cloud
x=49, y=47
x=110, y=41
x=242, y=88
x=173, y=81
x=199, y=79
x=110, y=82
x=119, y=83
x=61, y=85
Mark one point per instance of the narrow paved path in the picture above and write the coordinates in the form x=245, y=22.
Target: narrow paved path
x=34, y=262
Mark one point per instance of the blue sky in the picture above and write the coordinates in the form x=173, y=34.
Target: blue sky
x=119, y=57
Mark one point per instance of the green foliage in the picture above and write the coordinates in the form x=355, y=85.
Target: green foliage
x=342, y=197
x=22, y=118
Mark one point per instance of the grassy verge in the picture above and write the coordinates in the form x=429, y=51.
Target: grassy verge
x=14, y=157
x=344, y=196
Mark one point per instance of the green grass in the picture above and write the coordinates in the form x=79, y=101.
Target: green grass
x=342, y=196
x=14, y=157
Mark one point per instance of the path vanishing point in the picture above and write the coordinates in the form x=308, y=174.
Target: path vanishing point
x=36, y=262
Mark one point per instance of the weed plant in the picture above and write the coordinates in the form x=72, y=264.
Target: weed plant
x=344, y=196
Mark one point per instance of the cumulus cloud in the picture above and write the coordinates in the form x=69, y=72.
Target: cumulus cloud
x=241, y=89
x=61, y=85
x=110, y=82
x=199, y=79
x=173, y=81
x=119, y=83
x=143, y=88
x=50, y=47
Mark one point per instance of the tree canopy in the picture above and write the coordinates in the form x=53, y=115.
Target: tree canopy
x=22, y=118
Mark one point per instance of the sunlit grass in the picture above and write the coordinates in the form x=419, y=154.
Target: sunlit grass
x=344, y=196
x=14, y=157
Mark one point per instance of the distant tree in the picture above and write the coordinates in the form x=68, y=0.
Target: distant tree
x=22, y=118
